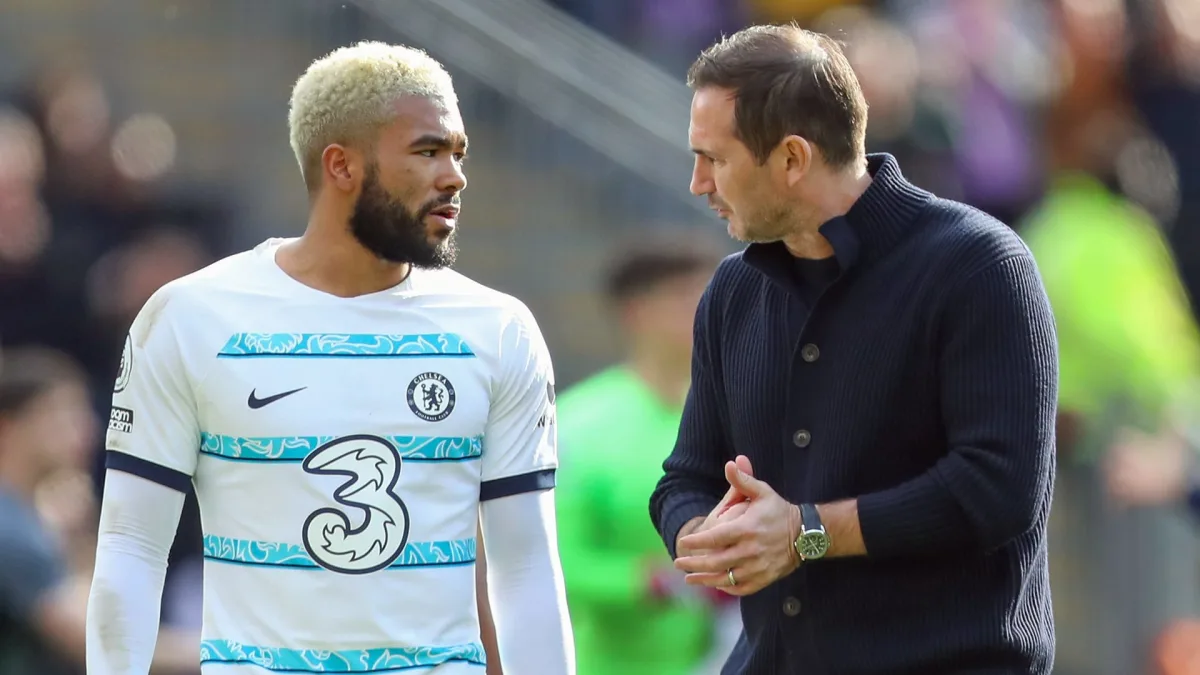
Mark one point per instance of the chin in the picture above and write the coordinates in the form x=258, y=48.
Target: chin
x=738, y=231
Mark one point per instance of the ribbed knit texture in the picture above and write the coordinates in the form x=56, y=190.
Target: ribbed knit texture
x=932, y=400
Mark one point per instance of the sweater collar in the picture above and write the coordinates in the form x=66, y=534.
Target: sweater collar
x=876, y=222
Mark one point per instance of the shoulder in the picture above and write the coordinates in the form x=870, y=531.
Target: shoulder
x=452, y=287
x=188, y=300
x=733, y=277
x=733, y=271
x=959, y=241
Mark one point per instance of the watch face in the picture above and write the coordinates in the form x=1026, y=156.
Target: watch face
x=814, y=545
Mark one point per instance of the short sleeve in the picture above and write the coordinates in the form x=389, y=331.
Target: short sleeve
x=520, y=443
x=153, y=430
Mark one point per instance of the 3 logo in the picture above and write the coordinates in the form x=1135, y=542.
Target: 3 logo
x=371, y=466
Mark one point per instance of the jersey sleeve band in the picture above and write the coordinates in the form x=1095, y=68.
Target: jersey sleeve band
x=156, y=473
x=515, y=485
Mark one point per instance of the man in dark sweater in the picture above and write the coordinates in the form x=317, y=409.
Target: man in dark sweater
x=873, y=392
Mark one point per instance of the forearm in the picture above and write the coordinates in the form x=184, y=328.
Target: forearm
x=487, y=627
x=999, y=385
x=526, y=584
x=688, y=528
x=137, y=526
x=841, y=524
x=694, y=473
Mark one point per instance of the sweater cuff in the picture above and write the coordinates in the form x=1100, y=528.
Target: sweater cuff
x=918, y=517
x=679, y=511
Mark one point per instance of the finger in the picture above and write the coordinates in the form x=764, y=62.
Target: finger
x=745, y=483
x=743, y=463
x=747, y=582
x=710, y=579
x=731, y=498
x=717, y=537
x=748, y=586
x=720, y=561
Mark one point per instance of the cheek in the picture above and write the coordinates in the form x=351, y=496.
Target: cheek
x=405, y=181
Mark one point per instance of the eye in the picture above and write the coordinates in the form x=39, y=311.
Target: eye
x=460, y=157
x=428, y=153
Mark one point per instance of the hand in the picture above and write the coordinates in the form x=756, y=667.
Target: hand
x=733, y=504
x=758, y=546
x=1145, y=470
x=667, y=582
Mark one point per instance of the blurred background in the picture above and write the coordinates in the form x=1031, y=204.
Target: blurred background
x=142, y=139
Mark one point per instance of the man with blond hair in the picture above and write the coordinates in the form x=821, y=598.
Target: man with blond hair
x=347, y=408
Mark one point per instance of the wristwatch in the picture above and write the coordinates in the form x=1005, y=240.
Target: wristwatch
x=813, y=542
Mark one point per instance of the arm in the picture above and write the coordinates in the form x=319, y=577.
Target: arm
x=532, y=622
x=137, y=525
x=999, y=383
x=694, y=473
x=517, y=508
x=152, y=450
x=487, y=626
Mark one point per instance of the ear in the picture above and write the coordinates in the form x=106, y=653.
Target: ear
x=342, y=167
x=797, y=157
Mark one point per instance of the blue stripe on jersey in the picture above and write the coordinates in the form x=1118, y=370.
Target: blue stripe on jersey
x=266, y=553
x=296, y=448
x=344, y=345
x=382, y=660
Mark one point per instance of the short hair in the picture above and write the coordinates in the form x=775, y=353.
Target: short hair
x=787, y=80
x=642, y=265
x=29, y=372
x=347, y=95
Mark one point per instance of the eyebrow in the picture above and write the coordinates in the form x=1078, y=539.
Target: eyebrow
x=440, y=142
x=702, y=153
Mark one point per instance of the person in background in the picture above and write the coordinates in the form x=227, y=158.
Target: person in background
x=46, y=432
x=615, y=429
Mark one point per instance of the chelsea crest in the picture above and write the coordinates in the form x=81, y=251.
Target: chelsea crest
x=431, y=397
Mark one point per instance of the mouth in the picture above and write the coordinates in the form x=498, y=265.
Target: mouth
x=446, y=216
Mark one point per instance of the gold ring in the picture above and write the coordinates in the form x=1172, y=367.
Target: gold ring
x=732, y=581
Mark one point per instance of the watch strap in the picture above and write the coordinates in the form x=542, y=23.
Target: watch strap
x=810, y=518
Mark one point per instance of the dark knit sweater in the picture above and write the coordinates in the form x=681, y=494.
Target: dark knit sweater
x=922, y=382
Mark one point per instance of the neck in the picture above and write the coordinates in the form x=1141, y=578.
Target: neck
x=663, y=370
x=832, y=195
x=328, y=258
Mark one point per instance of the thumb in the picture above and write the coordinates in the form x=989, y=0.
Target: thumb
x=745, y=483
x=743, y=463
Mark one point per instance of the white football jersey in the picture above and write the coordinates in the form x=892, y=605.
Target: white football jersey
x=339, y=448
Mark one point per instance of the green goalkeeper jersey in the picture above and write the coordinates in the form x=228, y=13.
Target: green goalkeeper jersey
x=614, y=434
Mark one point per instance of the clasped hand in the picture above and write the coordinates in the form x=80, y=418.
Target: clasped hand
x=751, y=533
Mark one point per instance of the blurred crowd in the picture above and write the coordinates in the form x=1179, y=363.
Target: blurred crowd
x=1075, y=121
x=88, y=230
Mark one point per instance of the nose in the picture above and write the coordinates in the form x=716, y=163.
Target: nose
x=453, y=178
x=702, y=183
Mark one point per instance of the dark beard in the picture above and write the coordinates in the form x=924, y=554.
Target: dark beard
x=389, y=230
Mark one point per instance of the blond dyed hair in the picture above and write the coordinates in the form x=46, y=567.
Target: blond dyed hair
x=347, y=95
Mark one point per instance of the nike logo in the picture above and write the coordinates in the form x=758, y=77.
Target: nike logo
x=255, y=403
